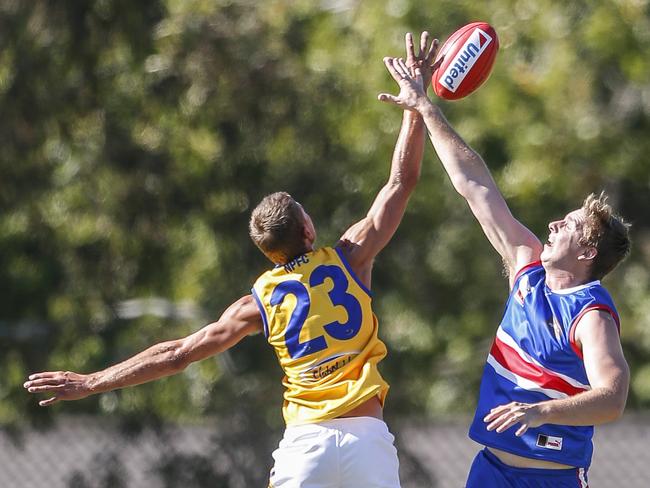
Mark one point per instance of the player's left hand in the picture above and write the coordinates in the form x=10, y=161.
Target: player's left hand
x=64, y=385
x=503, y=417
x=411, y=86
x=425, y=58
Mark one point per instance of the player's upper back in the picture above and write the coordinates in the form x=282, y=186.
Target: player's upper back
x=318, y=318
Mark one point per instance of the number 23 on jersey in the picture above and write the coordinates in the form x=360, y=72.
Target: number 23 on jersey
x=338, y=296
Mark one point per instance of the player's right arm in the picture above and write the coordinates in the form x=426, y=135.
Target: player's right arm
x=365, y=239
x=471, y=178
x=240, y=319
x=469, y=175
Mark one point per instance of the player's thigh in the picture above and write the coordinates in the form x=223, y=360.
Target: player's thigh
x=368, y=456
x=305, y=458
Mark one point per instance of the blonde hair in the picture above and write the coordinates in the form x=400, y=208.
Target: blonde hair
x=276, y=227
x=605, y=231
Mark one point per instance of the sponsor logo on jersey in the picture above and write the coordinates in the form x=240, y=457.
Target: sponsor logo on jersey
x=556, y=328
x=460, y=66
x=549, y=442
x=522, y=290
x=328, y=366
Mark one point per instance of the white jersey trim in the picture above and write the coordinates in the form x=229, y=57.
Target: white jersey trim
x=568, y=291
x=508, y=340
x=524, y=383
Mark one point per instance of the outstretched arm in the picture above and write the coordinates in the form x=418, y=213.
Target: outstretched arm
x=365, y=239
x=469, y=175
x=609, y=377
x=164, y=359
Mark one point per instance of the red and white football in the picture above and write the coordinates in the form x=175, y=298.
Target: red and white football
x=469, y=57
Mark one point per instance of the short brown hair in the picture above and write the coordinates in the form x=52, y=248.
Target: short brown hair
x=605, y=231
x=276, y=226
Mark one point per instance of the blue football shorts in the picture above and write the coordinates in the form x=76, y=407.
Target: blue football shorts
x=488, y=471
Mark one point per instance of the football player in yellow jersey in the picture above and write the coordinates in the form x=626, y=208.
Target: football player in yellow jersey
x=314, y=307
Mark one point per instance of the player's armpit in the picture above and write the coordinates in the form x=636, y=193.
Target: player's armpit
x=365, y=239
x=514, y=242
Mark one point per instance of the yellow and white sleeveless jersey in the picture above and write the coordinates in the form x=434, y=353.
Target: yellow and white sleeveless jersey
x=318, y=317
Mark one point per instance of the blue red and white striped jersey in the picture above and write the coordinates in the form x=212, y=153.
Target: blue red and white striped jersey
x=534, y=358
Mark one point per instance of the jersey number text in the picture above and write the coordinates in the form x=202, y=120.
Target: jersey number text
x=338, y=295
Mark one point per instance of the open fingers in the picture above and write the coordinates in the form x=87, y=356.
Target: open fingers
x=506, y=421
x=43, y=382
x=424, y=41
x=45, y=388
x=388, y=62
x=388, y=98
x=497, y=422
x=45, y=374
x=47, y=378
x=431, y=54
x=49, y=401
x=522, y=430
x=400, y=67
x=495, y=412
x=410, y=49
x=396, y=68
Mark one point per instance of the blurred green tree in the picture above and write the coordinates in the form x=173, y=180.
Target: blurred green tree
x=136, y=138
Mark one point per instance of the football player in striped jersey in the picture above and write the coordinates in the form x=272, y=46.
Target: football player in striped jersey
x=556, y=367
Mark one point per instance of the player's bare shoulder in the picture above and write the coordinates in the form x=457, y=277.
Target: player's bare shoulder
x=358, y=262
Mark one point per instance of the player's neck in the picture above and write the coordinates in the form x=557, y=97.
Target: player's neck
x=561, y=279
x=282, y=261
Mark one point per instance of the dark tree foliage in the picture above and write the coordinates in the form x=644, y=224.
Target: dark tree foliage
x=137, y=136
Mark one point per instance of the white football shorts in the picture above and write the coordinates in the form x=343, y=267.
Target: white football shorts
x=351, y=452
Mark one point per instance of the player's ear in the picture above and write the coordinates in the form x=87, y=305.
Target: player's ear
x=589, y=254
x=308, y=232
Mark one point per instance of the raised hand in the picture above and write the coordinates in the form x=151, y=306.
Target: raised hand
x=64, y=385
x=424, y=59
x=411, y=87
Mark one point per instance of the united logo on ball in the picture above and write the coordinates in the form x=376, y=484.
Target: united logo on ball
x=469, y=56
